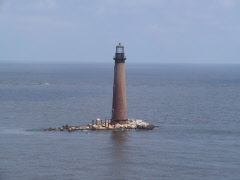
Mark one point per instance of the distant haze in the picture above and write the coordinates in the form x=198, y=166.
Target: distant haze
x=152, y=31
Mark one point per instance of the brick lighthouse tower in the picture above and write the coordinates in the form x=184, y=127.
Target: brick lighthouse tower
x=119, y=105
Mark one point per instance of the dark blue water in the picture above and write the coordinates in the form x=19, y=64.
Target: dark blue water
x=197, y=107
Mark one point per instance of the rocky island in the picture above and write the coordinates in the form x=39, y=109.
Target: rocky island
x=133, y=124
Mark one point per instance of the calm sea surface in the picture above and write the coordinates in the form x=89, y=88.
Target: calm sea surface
x=197, y=107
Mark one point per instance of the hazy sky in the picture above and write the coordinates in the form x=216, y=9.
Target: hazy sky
x=164, y=31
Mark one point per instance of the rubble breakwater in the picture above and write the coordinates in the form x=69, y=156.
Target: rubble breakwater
x=137, y=124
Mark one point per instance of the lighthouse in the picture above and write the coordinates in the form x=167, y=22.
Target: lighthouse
x=119, y=104
x=119, y=120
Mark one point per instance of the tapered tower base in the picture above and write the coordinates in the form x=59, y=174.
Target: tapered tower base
x=119, y=122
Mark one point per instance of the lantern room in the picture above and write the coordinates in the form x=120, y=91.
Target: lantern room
x=119, y=55
x=119, y=48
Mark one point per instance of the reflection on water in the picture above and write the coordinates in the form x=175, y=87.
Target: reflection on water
x=119, y=137
x=118, y=152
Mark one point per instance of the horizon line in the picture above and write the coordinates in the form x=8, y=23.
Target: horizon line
x=97, y=62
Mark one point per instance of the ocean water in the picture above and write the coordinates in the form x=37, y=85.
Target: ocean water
x=197, y=107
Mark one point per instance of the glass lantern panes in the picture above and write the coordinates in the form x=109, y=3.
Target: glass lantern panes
x=120, y=50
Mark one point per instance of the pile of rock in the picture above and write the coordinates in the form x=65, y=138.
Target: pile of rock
x=135, y=124
x=69, y=128
x=99, y=125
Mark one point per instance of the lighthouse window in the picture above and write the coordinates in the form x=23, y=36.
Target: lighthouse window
x=119, y=50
